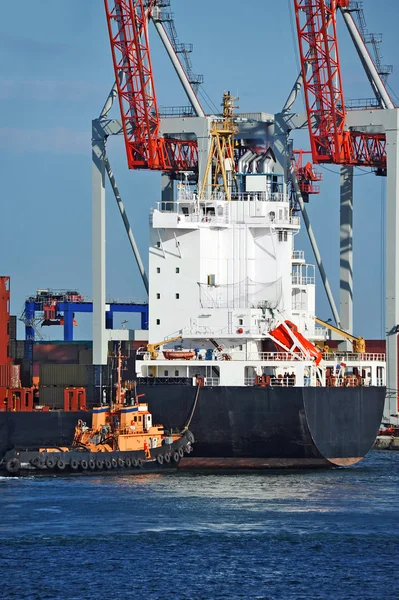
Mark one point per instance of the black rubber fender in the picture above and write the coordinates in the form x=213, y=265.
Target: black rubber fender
x=108, y=463
x=160, y=459
x=134, y=462
x=167, y=457
x=114, y=463
x=13, y=465
x=176, y=457
x=60, y=464
x=84, y=464
x=121, y=462
x=99, y=464
x=181, y=451
x=92, y=464
x=139, y=463
x=190, y=436
x=74, y=464
x=50, y=462
x=38, y=462
x=128, y=462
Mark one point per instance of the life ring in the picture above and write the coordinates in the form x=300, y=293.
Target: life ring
x=176, y=457
x=128, y=462
x=60, y=465
x=13, y=465
x=181, y=451
x=50, y=463
x=160, y=459
x=74, y=464
x=167, y=458
x=84, y=464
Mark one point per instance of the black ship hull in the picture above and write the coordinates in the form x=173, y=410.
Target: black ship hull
x=239, y=427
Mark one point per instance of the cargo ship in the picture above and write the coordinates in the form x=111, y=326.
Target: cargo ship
x=234, y=346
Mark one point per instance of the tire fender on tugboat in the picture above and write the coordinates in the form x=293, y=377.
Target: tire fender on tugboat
x=13, y=465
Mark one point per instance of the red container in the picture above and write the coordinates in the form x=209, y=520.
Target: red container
x=5, y=376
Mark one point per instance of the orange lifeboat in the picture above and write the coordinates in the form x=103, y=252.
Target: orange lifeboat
x=178, y=354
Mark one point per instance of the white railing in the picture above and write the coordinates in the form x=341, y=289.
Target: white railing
x=212, y=381
x=298, y=255
x=353, y=356
x=301, y=280
x=271, y=356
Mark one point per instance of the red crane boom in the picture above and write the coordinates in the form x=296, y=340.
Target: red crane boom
x=145, y=147
x=324, y=97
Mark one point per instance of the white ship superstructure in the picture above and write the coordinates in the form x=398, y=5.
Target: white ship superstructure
x=224, y=275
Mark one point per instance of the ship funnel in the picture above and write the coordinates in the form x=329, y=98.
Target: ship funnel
x=267, y=159
x=244, y=160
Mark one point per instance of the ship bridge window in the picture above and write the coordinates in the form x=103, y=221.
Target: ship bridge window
x=158, y=296
x=176, y=373
x=177, y=296
x=177, y=270
x=184, y=210
x=166, y=373
x=282, y=236
x=158, y=269
x=158, y=321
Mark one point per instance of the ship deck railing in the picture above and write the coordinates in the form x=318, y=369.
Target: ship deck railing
x=330, y=357
x=354, y=356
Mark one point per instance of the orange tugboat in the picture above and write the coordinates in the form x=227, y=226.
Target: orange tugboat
x=122, y=438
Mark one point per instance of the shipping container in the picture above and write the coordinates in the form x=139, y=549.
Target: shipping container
x=86, y=356
x=13, y=328
x=64, y=375
x=52, y=397
x=17, y=349
x=26, y=371
x=5, y=375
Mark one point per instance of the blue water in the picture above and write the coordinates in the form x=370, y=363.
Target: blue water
x=277, y=536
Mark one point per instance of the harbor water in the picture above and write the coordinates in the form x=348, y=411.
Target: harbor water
x=330, y=534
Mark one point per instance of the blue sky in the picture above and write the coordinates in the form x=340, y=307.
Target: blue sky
x=55, y=73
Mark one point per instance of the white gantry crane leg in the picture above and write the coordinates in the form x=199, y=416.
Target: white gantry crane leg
x=346, y=254
x=100, y=340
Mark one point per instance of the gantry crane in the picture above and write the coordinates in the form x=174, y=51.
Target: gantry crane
x=146, y=148
x=330, y=140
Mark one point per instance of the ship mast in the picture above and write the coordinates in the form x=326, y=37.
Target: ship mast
x=221, y=152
